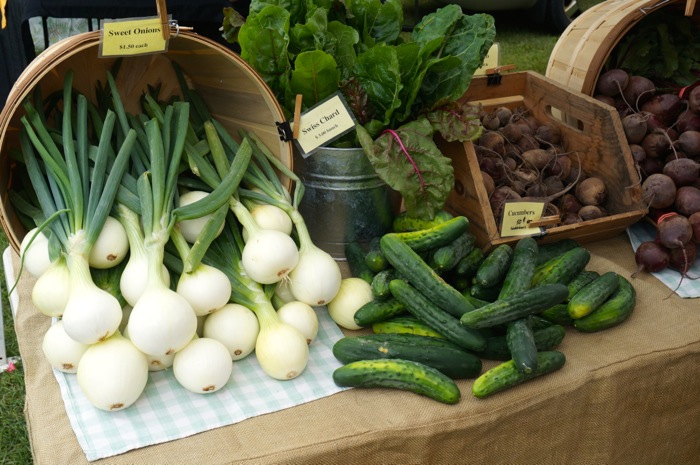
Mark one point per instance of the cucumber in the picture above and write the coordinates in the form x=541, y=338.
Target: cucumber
x=440, y=354
x=612, y=312
x=436, y=236
x=476, y=302
x=375, y=311
x=593, y=295
x=580, y=281
x=563, y=268
x=470, y=263
x=405, y=375
x=488, y=294
x=380, y=283
x=405, y=325
x=546, y=339
x=506, y=375
x=375, y=259
x=355, y=255
x=444, y=323
x=417, y=272
x=515, y=306
x=522, y=268
x=558, y=314
x=493, y=269
x=521, y=343
x=403, y=222
x=445, y=258
x=554, y=249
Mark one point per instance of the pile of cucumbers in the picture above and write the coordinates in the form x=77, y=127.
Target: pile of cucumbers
x=441, y=306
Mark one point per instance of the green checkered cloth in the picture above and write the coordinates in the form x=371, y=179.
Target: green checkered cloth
x=166, y=411
x=642, y=231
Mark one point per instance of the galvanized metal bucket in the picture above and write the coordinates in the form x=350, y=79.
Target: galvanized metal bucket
x=344, y=199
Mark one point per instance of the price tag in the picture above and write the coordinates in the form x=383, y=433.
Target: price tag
x=517, y=217
x=136, y=36
x=492, y=60
x=323, y=123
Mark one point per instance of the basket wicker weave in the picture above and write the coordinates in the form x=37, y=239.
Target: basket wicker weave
x=234, y=93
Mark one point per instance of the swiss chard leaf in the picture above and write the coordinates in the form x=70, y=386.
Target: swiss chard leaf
x=410, y=162
x=456, y=122
x=377, y=70
x=264, y=40
x=377, y=21
x=345, y=39
x=315, y=76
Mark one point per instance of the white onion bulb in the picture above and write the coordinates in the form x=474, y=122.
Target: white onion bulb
x=36, y=256
x=353, y=294
x=111, y=246
x=236, y=327
x=302, y=317
x=113, y=373
x=62, y=352
x=203, y=366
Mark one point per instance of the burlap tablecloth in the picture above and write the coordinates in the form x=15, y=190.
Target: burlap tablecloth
x=628, y=395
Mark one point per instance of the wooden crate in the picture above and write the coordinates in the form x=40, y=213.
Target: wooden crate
x=591, y=128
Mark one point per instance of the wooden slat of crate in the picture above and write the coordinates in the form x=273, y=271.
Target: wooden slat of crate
x=589, y=128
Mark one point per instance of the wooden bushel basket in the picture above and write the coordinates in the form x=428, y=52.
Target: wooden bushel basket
x=592, y=129
x=582, y=50
x=234, y=93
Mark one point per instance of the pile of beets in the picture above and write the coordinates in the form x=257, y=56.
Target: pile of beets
x=663, y=132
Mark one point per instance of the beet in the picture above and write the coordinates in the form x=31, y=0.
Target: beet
x=605, y=99
x=527, y=142
x=568, y=203
x=656, y=144
x=651, y=257
x=493, y=141
x=638, y=153
x=549, y=133
x=659, y=190
x=674, y=231
x=635, y=127
x=591, y=191
x=694, y=221
x=491, y=121
x=639, y=89
x=687, y=200
x=689, y=142
x=682, y=258
x=591, y=212
x=651, y=166
x=683, y=171
x=688, y=121
x=694, y=100
x=511, y=132
x=499, y=198
x=667, y=107
x=612, y=82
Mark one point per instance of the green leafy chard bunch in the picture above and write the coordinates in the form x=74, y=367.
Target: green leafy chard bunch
x=401, y=87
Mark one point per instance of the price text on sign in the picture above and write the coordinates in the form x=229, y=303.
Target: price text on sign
x=323, y=124
x=132, y=37
x=517, y=217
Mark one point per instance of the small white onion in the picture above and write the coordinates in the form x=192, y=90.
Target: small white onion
x=203, y=366
x=269, y=256
x=353, y=294
x=282, y=351
x=36, y=256
x=206, y=289
x=162, y=322
x=191, y=228
x=91, y=314
x=62, y=352
x=316, y=278
x=236, y=327
x=51, y=290
x=134, y=279
x=155, y=362
x=302, y=317
x=283, y=292
x=112, y=373
x=271, y=217
x=111, y=246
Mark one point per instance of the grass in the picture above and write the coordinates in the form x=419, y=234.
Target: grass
x=526, y=48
